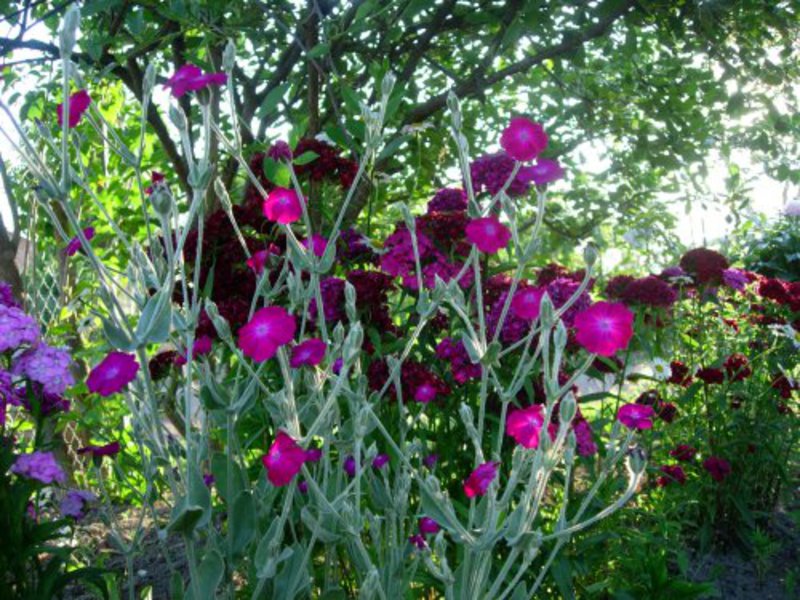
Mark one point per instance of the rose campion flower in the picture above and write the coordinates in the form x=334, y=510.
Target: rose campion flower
x=430, y=460
x=270, y=328
x=604, y=328
x=636, y=416
x=523, y=140
x=41, y=466
x=477, y=484
x=380, y=461
x=313, y=454
x=72, y=247
x=525, y=424
x=284, y=459
x=544, y=171
x=526, y=303
x=309, y=353
x=425, y=393
x=78, y=104
x=111, y=449
x=75, y=503
x=318, y=244
x=717, y=467
x=190, y=78
x=488, y=234
x=113, y=373
x=418, y=540
x=428, y=526
x=302, y=486
x=201, y=346
x=283, y=206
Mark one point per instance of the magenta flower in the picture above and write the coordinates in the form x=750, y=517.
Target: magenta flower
x=418, y=540
x=209, y=479
x=318, y=244
x=428, y=526
x=283, y=206
x=190, y=78
x=425, y=393
x=41, y=466
x=78, y=104
x=110, y=449
x=523, y=139
x=337, y=366
x=202, y=345
x=544, y=171
x=309, y=353
x=380, y=461
x=604, y=328
x=72, y=247
x=718, y=468
x=302, y=486
x=313, y=455
x=75, y=502
x=284, y=460
x=349, y=466
x=270, y=328
x=488, y=234
x=525, y=424
x=258, y=261
x=430, y=460
x=636, y=416
x=113, y=373
x=48, y=366
x=479, y=480
x=526, y=303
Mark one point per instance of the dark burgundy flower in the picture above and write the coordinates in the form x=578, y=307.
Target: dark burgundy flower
x=649, y=291
x=616, y=286
x=672, y=474
x=717, y=467
x=683, y=453
x=784, y=385
x=680, y=374
x=649, y=398
x=710, y=375
x=737, y=367
x=667, y=412
x=774, y=289
x=447, y=200
x=111, y=449
x=706, y=266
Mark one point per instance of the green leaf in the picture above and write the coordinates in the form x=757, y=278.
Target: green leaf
x=319, y=50
x=116, y=337
x=276, y=172
x=305, y=158
x=154, y=324
x=272, y=100
x=242, y=521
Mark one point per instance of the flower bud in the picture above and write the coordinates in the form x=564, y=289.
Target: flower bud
x=177, y=117
x=69, y=30
x=350, y=301
x=387, y=85
x=568, y=408
x=229, y=56
x=590, y=254
x=637, y=460
x=220, y=324
x=149, y=81
x=454, y=106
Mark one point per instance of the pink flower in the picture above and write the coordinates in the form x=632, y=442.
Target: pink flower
x=78, y=104
x=526, y=303
x=418, y=540
x=283, y=206
x=718, y=468
x=604, y=328
x=310, y=353
x=318, y=244
x=72, y=247
x=284, y=460
x=113, y=373
x=350, y=466
x=190, y=78
x=683, y=452
x=270, y=328
x=479, y=480
x=428, y=526
x=544, y=171
x=425, y=392
x=258, y=261
x=488, y=234
x=525, y=424
x=313, y=455
x=201, y=346
x=523, y=139
x=636, y=416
